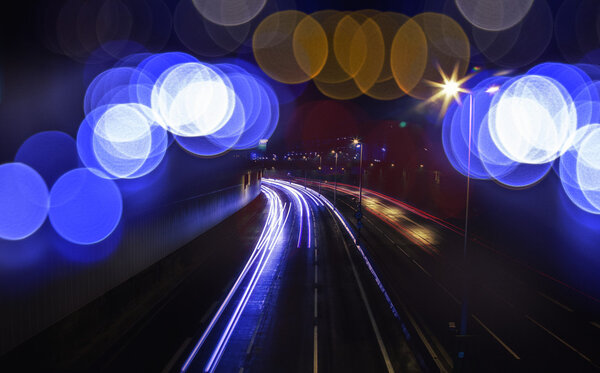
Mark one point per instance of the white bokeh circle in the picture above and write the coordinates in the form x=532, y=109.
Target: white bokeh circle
x=533, y=121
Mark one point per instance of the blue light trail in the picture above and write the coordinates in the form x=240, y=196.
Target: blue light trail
x=352, y=236
x=212, y=346
x=276, y=221
x=302, y=204
x=218, y=351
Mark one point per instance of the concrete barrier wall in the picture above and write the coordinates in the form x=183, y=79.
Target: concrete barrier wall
x=44, y=278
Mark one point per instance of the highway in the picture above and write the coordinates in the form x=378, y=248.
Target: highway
x=328, y=286
x=307, y=308
x=519, y=318
x=287, y=285
x=298, y=297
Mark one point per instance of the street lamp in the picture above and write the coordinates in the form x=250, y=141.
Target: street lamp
x=449, y=90
x=320, y=171
x=358, y=214
x=335, y=177
x=359, y=145
x=305, y=170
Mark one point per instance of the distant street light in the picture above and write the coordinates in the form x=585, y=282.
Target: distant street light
x=305, y=170
x=320, y=171
x=359, y=145
x=335, y=177
x=360, y=171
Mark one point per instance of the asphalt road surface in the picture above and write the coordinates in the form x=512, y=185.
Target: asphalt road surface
x=291, y=294
x=518, y=318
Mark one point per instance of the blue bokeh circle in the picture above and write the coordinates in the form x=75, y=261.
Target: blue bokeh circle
x=23, y=201
x=85, y=208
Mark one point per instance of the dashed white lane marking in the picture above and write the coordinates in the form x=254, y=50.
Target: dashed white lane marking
x=561, y=340
x=316, y=313
x=389, y=238
x=401, y=249
x=422, y=269
x=504, y=345
x=315, y=351
x=555, y=302
x=449, y=293
x=510, y=350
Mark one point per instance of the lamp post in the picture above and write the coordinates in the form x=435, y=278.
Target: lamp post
x=359, y=145
x=450, y=89
x=320, y=171
x=305, y=170
x=358, y=214
x=465, y=303
x=335, y=177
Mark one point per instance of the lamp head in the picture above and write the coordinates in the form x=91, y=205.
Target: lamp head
x=451, y=88
x=448, y=89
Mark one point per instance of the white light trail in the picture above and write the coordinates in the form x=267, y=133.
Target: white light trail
x=276, y=220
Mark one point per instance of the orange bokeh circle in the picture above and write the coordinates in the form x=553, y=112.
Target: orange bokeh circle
x=290, y=46
x=425, y=45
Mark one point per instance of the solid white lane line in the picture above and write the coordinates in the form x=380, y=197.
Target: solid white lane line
x=421, y=335
x=510, y=350
x=316, y=313
x=382, y=348
x=253, y=337
x=169, y=367
x=334, y=212
x=208, y=312
x=561, y=340
x=315, y=351
x=499, y=296
x=555, y=302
